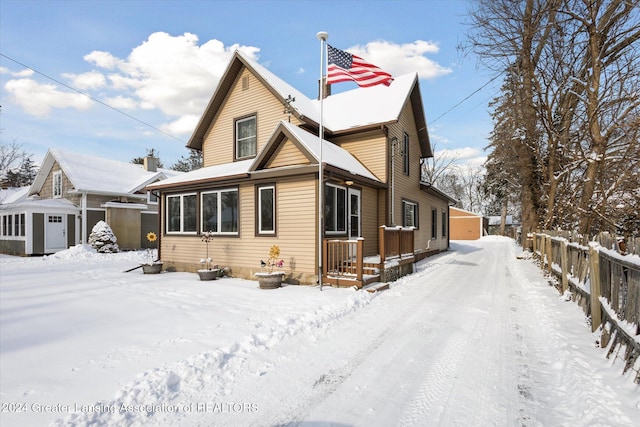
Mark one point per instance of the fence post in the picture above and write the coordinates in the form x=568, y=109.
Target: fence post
x=564, y=264
x=549, y=251
x=594, y=280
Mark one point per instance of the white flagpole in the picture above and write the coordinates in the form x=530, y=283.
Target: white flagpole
x=322, y=36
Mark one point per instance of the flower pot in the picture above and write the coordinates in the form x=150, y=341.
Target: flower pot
x=208, y=274
x=269, y=280
x=154, y=268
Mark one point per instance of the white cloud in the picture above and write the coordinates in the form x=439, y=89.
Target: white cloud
x=464, y=153
x=173, y=74
x=38, y=99
x=399, y=59
x=84, y=81
x=122, y=102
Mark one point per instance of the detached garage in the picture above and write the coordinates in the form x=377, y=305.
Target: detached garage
x=466, y=225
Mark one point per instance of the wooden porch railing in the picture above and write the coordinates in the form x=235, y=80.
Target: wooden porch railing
x=343, y=260
x=395, y=242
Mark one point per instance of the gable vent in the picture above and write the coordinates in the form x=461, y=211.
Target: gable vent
x=245, y=83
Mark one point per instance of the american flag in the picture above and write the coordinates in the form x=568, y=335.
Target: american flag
x=343, y=67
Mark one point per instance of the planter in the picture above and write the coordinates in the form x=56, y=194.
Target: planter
x=270, y=280
x=154, y=268
x=208, y=274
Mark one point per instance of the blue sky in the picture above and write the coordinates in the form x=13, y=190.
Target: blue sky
x=159, y=62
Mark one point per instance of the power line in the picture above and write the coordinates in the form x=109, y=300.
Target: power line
x=92, y=98
x=467, y=97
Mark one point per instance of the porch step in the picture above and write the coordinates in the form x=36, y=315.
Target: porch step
x=375, y=287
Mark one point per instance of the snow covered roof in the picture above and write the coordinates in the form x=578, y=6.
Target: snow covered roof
x=495, y=220
x=345, y=111
x=13, y=195
x=207, y=174
x=332, y=155
x=51, y=205
x=97, y=175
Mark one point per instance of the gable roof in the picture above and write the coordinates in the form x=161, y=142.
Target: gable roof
x=308, y=143
x=355, y=109
x=97, y=175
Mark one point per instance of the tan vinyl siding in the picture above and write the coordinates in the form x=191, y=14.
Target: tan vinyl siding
x=370, y=221
x=218, y=146
x=370, y=149
x=295, y=228
x=288, y=154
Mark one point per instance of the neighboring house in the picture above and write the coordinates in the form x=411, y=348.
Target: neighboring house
x=466, y=225
x=71, y=193
x=494, y=225
x=259, y=183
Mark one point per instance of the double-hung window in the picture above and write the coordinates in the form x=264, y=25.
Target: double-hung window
x=219, y=211
x=181, y=213
x=266, y=209
x=335, y=209
x=434, y=223
x=57, y=184
x=409, y=214
x=405, y=154
x=246, y=137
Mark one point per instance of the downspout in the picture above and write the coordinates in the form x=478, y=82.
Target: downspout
x=83, y=212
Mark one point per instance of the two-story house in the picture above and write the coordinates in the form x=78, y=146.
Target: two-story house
x=259, y=184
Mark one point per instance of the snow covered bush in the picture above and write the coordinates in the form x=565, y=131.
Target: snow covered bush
x=103, y=239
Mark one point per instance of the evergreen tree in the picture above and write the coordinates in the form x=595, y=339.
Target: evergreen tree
x=193, y=162
x=103, y=239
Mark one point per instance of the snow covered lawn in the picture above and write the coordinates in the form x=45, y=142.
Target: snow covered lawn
x=473, y=337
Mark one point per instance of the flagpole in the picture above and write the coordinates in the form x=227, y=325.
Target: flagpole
x=322, y=36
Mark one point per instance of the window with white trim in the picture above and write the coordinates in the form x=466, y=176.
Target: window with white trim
x=335, y=209
x=219, y=211
x=57, y=184
x=181, y=213
x=246, y=137
x=267, y=209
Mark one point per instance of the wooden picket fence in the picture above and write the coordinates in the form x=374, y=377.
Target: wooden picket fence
x=604, y=282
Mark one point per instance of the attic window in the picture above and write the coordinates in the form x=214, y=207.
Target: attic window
x=245, y=83
x=57, y=184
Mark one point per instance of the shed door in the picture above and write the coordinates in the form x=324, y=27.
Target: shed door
x=55, y=233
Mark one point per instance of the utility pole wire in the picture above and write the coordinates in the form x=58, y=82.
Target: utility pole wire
x=467, y=97
x=93, y=99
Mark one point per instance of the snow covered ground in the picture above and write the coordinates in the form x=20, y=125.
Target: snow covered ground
x=473, y=337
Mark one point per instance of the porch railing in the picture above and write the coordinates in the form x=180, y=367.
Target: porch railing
x=395, y=242
x=343, y=260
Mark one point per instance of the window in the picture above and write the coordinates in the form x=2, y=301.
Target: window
x=19, y=226
x=7, y=225
x=335, y=209
x=219, y=211
x=152, y=198
x=246, y=137
x=266, y=210
x=409, y=214
x=444, y=223
x=181, y=213
x=405, y=154
x=57, y=184
x=434, y=223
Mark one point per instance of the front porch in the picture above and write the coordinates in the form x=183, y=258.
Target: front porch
x=344, y=264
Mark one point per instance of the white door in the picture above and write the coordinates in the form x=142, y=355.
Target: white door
x=354, y=213
x=55, y=233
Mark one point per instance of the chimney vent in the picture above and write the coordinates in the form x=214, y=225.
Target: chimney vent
x=150, y=164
